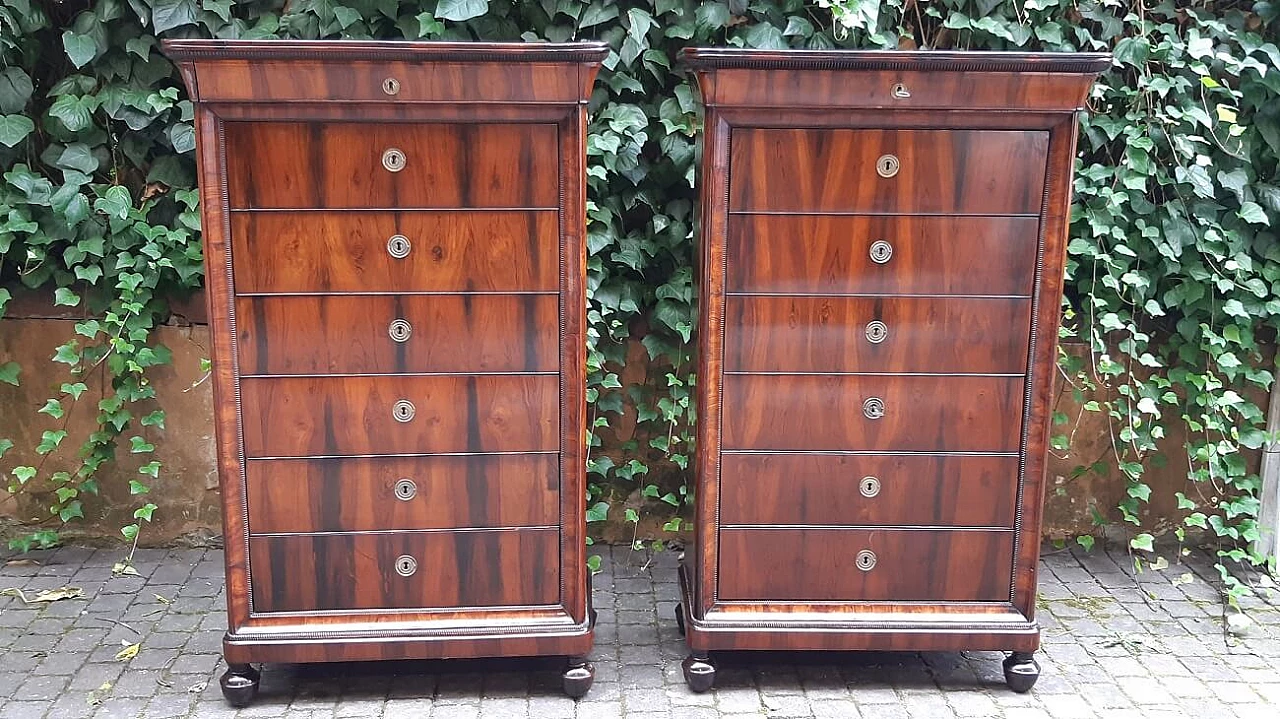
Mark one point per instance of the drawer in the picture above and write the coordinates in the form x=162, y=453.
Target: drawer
x=395, y=251
x=835, y=412
x=897, y=565
x=346, y=164
x=385, y=493
x=404, y=570
x=948, y=491
x=309, y=416
x=876, y=334
x=899, y=254
x=976, y=172
x=286, y=335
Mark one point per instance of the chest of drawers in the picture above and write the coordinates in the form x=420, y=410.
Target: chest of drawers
x=880, y=266
x=395, y=249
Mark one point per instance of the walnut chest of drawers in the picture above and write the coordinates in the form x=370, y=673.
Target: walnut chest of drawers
x=395, y=249
x=881, y=266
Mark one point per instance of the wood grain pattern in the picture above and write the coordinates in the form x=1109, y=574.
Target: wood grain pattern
x=347, y=251
x=289, y=335
x=988, y=172
x=339, y=165
x=911, y=565
x=319, y=416
x=954, y=490
x=302, y=573
x=347, y=494
x=830, y=334
x=828, y=254
x=922, y=413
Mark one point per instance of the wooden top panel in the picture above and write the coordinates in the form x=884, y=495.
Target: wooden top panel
x=718, y=58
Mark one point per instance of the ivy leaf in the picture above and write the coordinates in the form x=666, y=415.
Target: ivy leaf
x=598, y=512
x=168, y=14
x=115, y=202
x=53, y=408
x=136, y=487
x=138, y=445
x=74, y=389
x=598, y=12
x=1253, y=213
x=24, y=474
x=144, y=512
x=1144, y=542
x=14, y=129
x=74, y=112
x=15, y=89
x=460, y=10
x=9, y=373
x=80, y=48
x=78, y=156
x=183, y=137
x=65, y=297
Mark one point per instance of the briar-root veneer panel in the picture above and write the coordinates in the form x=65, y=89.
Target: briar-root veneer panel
x=346, y=494
x=340, y=165
x=976, y=172
x=831, y=254
x=923, y=413
x=310, y=416
x=483, y=568
x=348, y=251
x=819, y=565
x=938, y=490
x=285, y=335
x=834, y=334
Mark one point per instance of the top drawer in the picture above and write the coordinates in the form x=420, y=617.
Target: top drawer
x=391, y=165
x=971, y=172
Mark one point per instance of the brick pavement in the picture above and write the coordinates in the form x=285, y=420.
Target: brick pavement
x=1114, y=647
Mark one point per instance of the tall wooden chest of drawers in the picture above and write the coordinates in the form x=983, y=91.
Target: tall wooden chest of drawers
x=881, y=262
x=395, y=249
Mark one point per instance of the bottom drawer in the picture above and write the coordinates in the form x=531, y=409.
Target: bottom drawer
x=404, y=570
x=865, y=565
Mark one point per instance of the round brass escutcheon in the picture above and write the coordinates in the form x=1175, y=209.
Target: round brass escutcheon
x=403, y=410
x=394, y=160
x=880, y=252
x=398, y=246
x=406, y=565
x=900, y=91
x=406, y=489
x=399, y=330
x=866, y=560
x=877, y=332
x=869, y=487
x=888, y=165
x=391, y=86
x=873, y=408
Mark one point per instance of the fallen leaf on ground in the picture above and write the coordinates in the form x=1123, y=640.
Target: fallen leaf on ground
x=160, y=598
x=44, y=596
x=97, y=695
x=22, y=563
x=129, y=652
x=122, y=568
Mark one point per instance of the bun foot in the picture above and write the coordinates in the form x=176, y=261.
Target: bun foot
x=680, y=619
x=578, y=677
x=240, y=684
x=699, y=672
x=1021, y=671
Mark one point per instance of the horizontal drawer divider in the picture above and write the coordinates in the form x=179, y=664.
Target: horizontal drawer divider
x=410, y=455
x=450, y=530
x=552, y=373
x=871, y=527
x=393, y=210
x=871, y=452
x=885, y=295
x=503, y=608
x=393, y=293
x=874, y=374
x=837, y=213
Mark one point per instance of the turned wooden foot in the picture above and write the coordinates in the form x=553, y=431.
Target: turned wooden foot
x=240, y=684
x=699, y=672
x=680, y=619
x=578, y=677
x=1021, y=671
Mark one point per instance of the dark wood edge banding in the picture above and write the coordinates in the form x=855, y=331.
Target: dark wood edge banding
x=708, y=58
x=346, y=50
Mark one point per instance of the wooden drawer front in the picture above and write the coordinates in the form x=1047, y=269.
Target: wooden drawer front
x=821, y=565
x=883, y=334
x=921, y=413
x=319, y=164
x=827, y=254
x=367, y=494
x=950, y=491
x=309, y=416
x=350, y=251
x=354, y=335
x=978, y=172
x=301, y=573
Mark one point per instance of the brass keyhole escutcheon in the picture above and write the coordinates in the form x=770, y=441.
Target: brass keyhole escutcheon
x=391, y=86
x=888, y=165
x=877, y=332
x=399, y=330
x=873, y=408
x=880, y=252
x=403, y=410
x=394, y=160
x=866, y=560
x=900, y=92
x=406, y=489
x=869, y=487
x=406, y=565
x=399, y=246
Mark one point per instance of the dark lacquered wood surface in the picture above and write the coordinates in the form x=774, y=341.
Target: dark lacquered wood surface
x=449, y=251
x=835, y=334
x=345, y=494
x=921, y=413
x=340, y=165
x=353, y=334
x=988, y=172
x=911, y=565
x=946, y=490
x=299, y=573
x=309, y=416
x=826, y=254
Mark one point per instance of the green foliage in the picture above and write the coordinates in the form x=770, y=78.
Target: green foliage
x=1173, y=262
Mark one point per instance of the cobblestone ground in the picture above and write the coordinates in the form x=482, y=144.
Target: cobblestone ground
x=1115, y=646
